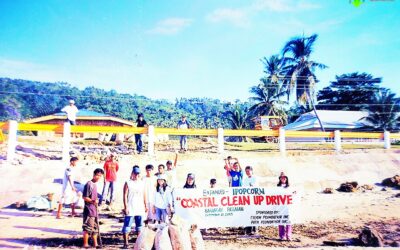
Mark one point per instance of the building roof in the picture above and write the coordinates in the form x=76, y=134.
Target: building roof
x=83, y=114
x=331, y=119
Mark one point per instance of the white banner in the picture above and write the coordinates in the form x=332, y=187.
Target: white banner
x=236, y=207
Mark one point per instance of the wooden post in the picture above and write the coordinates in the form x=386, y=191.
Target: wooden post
x=338, y=141
x=12, y=140
x=386, y=140
x=220, y=140
x=66, y=142
x=151, y=139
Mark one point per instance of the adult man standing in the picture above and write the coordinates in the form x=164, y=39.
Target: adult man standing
x=110, y=168
x=90, y=212
x=135, y=204
x=183, y=124
x=150, y=182
x=68, y=194
x=140, y=123
x=71, y=111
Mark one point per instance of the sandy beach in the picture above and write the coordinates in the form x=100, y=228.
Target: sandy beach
x=325, y=217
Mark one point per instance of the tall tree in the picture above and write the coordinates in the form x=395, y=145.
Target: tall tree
x=300, y=70
x=353, y=91
x=384, y=114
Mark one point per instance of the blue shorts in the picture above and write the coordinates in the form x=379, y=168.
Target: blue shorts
x=128, y=224
x=161, y=214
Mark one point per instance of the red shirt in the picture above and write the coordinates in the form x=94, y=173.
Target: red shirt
x=111, y=169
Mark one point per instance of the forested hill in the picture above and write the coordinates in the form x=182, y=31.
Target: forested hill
x=23, y=99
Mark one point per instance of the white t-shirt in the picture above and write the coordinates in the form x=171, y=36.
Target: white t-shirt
x=171, y=177
x=71, y=112
x=163, y=199
x=136, y=198
x=150, y=187
x=249, y=181
x=69, y=171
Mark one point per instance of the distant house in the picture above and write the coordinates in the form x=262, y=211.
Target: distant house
x=331, y=120
x=85, y=118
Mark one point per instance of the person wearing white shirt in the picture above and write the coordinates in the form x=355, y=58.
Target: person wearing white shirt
x=150, y=182
x=250, y=181
x=162, y=200
x=71, y=111
x=135, y=204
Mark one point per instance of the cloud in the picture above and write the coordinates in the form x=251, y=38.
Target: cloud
x=235, y=16
x=240, y=17
x=283, y=5
x=170, y=26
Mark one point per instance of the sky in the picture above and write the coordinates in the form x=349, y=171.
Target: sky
x=180, y=48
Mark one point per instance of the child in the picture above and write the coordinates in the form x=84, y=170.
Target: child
x=228, y=165
x=190, y=181
x=235, y=173
x=162, y=200
x=213, y=183
x=285, y=231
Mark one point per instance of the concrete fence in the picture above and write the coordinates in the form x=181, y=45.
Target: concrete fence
x=12, y=127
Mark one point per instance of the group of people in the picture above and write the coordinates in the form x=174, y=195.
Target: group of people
x=182, y=124
x=236, y=178
x=148, y=197
x=71, y=111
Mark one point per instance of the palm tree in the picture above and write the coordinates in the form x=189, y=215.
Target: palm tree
x=300, y=70
x=268, y=92
x=238, y=117
x=384, y=113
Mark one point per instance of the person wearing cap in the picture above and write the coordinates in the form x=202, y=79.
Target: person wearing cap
x=162, y=199
x=110, y=168
x=190, y=181
x=171, y=172
x=140, y=123
x=71, y=111
x=183, y=124
x=135, y=204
